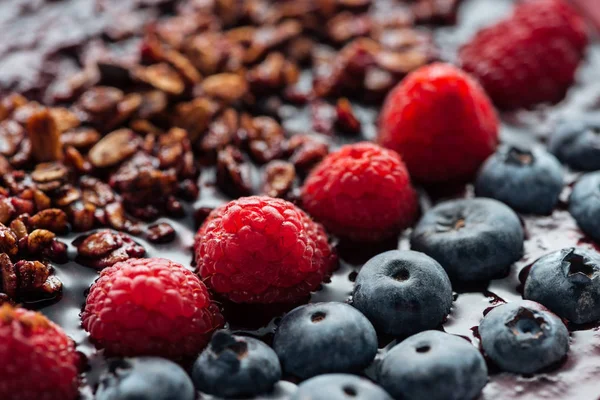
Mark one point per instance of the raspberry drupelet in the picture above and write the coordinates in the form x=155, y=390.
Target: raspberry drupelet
x=441, y=122
x=38, y=360
x=262, y=250
x=361, y=192
x=150, y=307
x=530, y=57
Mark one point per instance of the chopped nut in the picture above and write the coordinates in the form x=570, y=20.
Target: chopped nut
x=101, y=99
x=7, y=210
x=9, y=276
x=45, y=136
x=154, y=102
x=105, y=248
x=19, y=229
x=82, y=138
x=195, y=116
x=114, y=148
x=160, y=233
x=8, y=241
x=52, y=219
x=307, y=152
x=12, y=135
x=40, y=240
x=49, y=176
x=227, y=87
x=162, y=77
x=233, y=176
x=64, y=118
x=279, y=178
x=346, y=120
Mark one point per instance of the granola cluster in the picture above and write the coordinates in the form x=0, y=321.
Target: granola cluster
x=124, y=140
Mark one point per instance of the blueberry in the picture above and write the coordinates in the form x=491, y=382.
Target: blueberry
x=403, y=292
x=523, y=337
x=234, y=366
x=568, y=283
x=321, y=338
x=145, y=378
x=529, y=181
x=339, y=387
x=433, y=365
x=584, y=204
x=576, y=142
x=474, y=239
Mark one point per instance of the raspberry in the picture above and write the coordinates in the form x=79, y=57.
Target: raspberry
x=529, y=58
x=150, y=307
x=37, y=359
x=441, y=122
x=361, y=192
x=262, y=250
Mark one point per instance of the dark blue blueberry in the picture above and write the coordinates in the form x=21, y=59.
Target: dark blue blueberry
x=584, y=204
x=576, y=142
x=234, y=366
x=523, y=337
x=473, y=239
x=339, y=387
x=145, y=378
x=403, y=292
x=322, y=338
x=433, y=365
x=529, y=181
x=568, y=283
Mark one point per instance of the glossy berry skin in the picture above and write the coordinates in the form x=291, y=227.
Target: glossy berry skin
x=403, y=292
x=322, y=338
x=150, y=307
x=523, y=337
x=441, y=123
x=530, y=57
x=339, y=387
x=236, y=366
x=145, y=378
x=362, y=192
x=262, y=250
x=473, y=239
x=433, y=365
x=38, y=360
x=576, y=142
x=584, y=204
x=568, y=283
x=529, y=181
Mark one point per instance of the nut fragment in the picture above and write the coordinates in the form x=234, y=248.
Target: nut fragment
x=100, y=99
x=9, y=276
x=105, y=248
x=279, y=178
x=114, y=148
x=52, y=219
x=49, y=176
x=227, y=87
x=160, y=233
x=8, y=241
x=44, y=135
x=233, y=176
x=162, y=77
x=40, y=240
x=346, y=120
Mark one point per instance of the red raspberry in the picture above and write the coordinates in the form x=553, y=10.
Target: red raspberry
x=37, y=359
x=529, y=58
x=262, y=250
x=441, y=122
x=150, y=307
x=361, y=192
